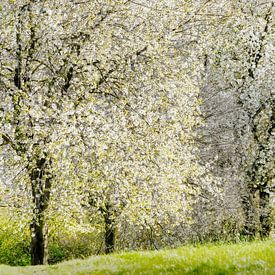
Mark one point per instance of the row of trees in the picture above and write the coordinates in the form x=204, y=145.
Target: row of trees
x=237, y=87
x=144, y=115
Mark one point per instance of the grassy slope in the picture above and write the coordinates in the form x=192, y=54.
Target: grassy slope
x=244, y=258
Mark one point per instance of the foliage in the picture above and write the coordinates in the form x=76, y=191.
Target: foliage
x=15, y=244
x=100, y=105
x=231, y=45
x=96, y=107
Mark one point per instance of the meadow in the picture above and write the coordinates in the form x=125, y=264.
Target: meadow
x=256, y=257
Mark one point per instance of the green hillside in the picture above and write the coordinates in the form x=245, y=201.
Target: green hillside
x=243, y=258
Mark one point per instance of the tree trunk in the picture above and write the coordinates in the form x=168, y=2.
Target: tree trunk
x=250, y=215
x=265, y=212
x=41, y=184
x=109, y=231
x=39, y=242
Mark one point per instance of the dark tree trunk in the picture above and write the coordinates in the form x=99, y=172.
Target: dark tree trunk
x=109, y=234
x=250, y=215
x=109, y=230
x=264, y=215
x=41, y=185
x=39, y=243
x=259, y=174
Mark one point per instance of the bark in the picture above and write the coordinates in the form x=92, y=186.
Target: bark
x=41, y=185
x=257, y=217
x=39, y=242
x=265, y=188
x=265, y=213
x=109, y=234
x=250, y=215
x=109, y=230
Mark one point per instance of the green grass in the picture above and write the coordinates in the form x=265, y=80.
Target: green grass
x=244, y=258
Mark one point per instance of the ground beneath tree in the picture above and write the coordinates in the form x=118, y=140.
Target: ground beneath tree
x=243, y=258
